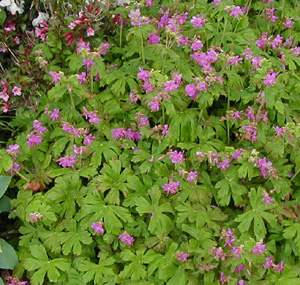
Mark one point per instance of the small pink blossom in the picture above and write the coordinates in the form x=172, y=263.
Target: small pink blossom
x=153, y=39
x=55, y=76
x=176, y=157
x=88, y=139
x=90, y=32
x=259, y=248
x=171, y=188
x=198, y=21
x=55, y=115
x=182, y=256
x=17, y=91
x=67, y=161
x=236, y=12
x=193, y=176
x=13, y=149
x=127, y=239
x=98, y=227
x=34, y=140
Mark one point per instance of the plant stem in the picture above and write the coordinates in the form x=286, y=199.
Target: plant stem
x=227, y=121
x=72, y=100
x=92, y=82
x=142, y=50
x=224, y=30
x=294, y=176
x=121, y=33
x=21, y=175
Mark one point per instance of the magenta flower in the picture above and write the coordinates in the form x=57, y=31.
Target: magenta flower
x=269, y=262
x=127, y=239
x=165, y=130
x=192, y=90
x=176, y=157
x=154, y=105
x=241, y=282
x=153, y=39
x=34, y=140
x=240, y=268
x=228, y=236
x=144, y=122
x=80, y=150
x=198, y=21
x=278, y=267
x=16, y=91
x=288, y=23
x=236, y=251
x=193, y=176
x=182, y=256
x=90, y=32
x=224, y=164
x=259, y=248
x=218, y=253
x=170, y=86
x=55, y=115
x=13, y=149
x=55, y=76
x=224, y=279
x=197, y=45
x=88, y=139
x=236, y=12
x=98, y=227
x=103, y=48
x=67, y=161
x=118, y=133
x=268, y=200
x=270, y=79
x=171, y=188
x=82, y=77
x=88, y=63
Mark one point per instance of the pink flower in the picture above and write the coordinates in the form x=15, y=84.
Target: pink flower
x=240, y=268
x=88, y=63
x=55, y=76
x=90, y=32
x=67, y=161
x=98, y=227
x=288, y=23
x=224, y=279
x=182, y=256
x=34, y=140
x=55, y=115
x=268, y=200
x=278, y=267
x=270, y=79
x=13, y=149
x=80, y=150
x=171, y=188
x=88, y=139
x=197, y=45
x=193, y=176
x=127, y=239
x=224, y=164
x=176, y=157
x=154, y=105
x=259, y=248
x=82, y=77
x=192, y=90
x=236, y=12
x=17, y=91
x=198, y=21
x=269, y=262
x=153, y=39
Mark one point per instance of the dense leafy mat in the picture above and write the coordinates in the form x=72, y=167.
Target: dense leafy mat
x=153, y=142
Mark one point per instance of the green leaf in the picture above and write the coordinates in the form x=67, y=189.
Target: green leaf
x=4, y=182
x=5, y=204
x=8, y=256
x=96, y=272
x=56, y=92
x=73, y=238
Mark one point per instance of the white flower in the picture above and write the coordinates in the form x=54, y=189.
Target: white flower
x=40, y=18
x=12, y=7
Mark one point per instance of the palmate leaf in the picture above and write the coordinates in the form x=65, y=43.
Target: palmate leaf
x=93, y=209
x=40, y=263
x=96, y=272
x=106, y=150
x=258, y=215
x=114, y=180
x=158, y=261
x=160, y=224
x=293, y=232
x=67, y=192
x=73, y=238
x=135, y=270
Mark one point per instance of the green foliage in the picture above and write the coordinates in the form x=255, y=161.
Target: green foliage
x=151, y=143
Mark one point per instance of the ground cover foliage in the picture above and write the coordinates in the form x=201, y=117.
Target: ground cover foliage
x=152, y=142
